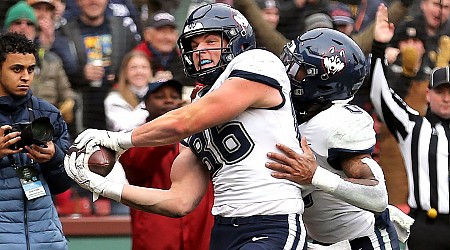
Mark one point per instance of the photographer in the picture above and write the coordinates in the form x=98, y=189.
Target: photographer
x=33, y=142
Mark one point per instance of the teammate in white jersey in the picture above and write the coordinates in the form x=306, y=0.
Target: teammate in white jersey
x=326, y=68
x=240, y=114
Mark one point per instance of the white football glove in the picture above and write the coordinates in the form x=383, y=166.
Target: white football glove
x=117, y=175
x=77, y=169
x=117, y=141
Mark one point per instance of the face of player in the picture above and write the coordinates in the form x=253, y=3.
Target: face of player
x=435, y=12
x=138, y=71
x=163, y=100
x=25, y=27
x=439, y=100
x=209, y=48
x=16, y=75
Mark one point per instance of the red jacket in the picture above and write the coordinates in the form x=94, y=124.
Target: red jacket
x=150, y=167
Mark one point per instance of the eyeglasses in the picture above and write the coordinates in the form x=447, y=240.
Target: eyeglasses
x=20, y=22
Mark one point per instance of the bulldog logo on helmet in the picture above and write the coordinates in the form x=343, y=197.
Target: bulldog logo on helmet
x=333, y=63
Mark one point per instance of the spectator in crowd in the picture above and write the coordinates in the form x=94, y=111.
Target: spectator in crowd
x=318, y=20
x=398, y=9
x=274, y=41
x=51, y=83
x=60, y=8
x=21, y=13
x=423, y=142
x=365, y=12
x=119, y=8
x=350, y=190
x=50, y=80
x=432, y=17
x=124, y=106
x=408, y=65
x=293, y=14
x=227, y=140
x=150, y=167
x=165, y=5
x=270, y=11
x=342, y=18
x=31, y=171
x=260, y=21
x=45, y=13
x=160, y=45
x=92, y=48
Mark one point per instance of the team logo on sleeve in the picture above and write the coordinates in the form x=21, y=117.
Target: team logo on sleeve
x=333, y=62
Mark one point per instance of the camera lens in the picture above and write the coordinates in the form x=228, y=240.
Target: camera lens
x=41, y=133
x=42, y=130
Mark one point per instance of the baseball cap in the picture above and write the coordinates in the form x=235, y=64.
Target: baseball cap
x=318, y=20
x=154, y=86
x=20, y=10
x=160, y=19
x=410, y=30
x=268, y=4
x=340, y=14
x=439, y=76
x=33, y=2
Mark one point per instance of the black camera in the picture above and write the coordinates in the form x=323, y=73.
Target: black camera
x=37, y=132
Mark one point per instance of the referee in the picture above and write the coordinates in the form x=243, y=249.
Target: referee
x=424, y=144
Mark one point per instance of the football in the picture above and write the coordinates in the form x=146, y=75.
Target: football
x=102, y=161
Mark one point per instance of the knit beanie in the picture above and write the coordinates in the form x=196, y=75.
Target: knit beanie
x=20, y=10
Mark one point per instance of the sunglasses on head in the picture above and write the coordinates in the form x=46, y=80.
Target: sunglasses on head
x=19, y=22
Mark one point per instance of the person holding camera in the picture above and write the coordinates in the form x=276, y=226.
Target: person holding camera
x=33, y=142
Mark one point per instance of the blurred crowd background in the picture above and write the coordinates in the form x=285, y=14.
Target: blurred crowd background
x=97, y=59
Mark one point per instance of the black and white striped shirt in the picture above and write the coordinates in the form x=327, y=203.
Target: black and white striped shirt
x=423, y=141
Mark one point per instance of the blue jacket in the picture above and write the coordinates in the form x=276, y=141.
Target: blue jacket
x=32, y=224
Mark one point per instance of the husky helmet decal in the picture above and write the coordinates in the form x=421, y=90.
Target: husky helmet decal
x=333, y=62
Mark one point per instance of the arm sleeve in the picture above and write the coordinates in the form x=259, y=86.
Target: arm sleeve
x=372, y=198
x=392, y=110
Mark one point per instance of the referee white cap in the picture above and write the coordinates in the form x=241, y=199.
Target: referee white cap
x=440, y=76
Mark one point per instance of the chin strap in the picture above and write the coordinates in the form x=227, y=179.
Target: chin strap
x=211, y=77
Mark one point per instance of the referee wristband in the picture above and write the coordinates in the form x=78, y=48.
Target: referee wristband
x=325, y=180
